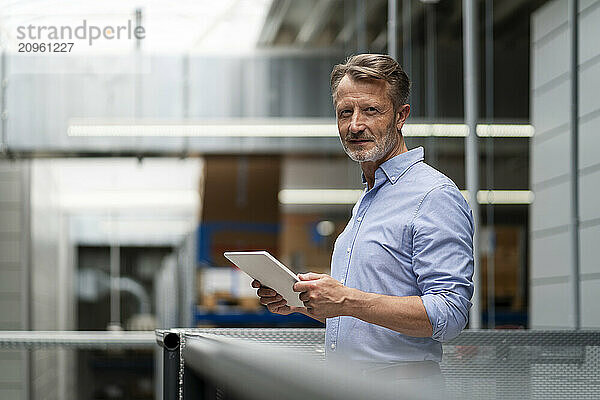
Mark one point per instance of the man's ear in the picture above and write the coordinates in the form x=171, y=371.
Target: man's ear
x=402, y=115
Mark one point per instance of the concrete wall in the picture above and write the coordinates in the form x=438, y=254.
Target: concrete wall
x=589, y=161
x=52, y=298
x=14, y=233
x=551, y=294
x=35, y=282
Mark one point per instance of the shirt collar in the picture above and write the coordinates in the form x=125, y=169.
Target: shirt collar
x=397, y=166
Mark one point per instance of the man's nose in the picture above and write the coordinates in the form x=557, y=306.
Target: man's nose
x=356, y=123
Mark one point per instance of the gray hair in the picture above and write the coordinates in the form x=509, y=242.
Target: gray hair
x=374, y=66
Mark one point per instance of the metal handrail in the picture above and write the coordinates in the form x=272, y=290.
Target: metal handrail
x=518, y=363
x=526, y=337
x=168, y=339
x=77, y=339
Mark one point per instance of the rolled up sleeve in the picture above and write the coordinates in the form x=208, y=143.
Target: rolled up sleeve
x=443, y=259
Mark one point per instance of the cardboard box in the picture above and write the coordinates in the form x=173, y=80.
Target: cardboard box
x=240, y=209
x=302, y=249
x=508, y=258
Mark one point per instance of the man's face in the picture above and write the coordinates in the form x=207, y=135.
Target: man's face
x=365, y=118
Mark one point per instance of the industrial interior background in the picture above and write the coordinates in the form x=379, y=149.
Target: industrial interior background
x=128, y=167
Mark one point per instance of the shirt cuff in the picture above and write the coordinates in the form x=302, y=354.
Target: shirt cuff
x=437, y=312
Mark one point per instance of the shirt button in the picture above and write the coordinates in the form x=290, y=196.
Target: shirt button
x=359, y=219
x=348, y=250
x=393, y=178
x=332, y=346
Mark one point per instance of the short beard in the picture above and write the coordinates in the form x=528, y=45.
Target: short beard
x=378, y=151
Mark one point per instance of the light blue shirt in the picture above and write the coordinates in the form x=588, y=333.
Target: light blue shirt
x=411, y=234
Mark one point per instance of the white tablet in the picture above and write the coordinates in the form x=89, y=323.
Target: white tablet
x=269, y=271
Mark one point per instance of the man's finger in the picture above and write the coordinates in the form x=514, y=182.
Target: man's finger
x=270, y=300
x=255, y=284
x=309, y=276
x=303, y=286
x=274, y=306
x=264, y=291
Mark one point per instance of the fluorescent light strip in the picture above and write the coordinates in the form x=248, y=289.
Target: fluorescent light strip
x=351, y=196
x=438, y=130
x=319, y=196
x=502, y=196
x=208, y=130
x=136, y=199
x=505, y=130
x=290, y=128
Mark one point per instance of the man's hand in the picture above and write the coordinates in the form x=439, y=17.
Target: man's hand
x=323, y=296
x=274, y=301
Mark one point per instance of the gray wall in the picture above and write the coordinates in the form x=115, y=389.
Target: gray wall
x=51, y=298
x=14, y=232
x=35, y=288
x=551, y=294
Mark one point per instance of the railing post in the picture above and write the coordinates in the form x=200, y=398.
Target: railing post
x=171, y=366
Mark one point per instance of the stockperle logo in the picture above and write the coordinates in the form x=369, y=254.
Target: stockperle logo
x=84, y=31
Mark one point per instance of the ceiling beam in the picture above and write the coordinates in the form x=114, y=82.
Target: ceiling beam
x=350, y=26
x=380, y=41
x=316, y=21
x=275, y=17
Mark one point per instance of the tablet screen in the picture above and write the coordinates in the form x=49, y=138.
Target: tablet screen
x=269, y=271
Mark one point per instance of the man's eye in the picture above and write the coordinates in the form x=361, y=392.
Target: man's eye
x=345, y=113
x=371, y=109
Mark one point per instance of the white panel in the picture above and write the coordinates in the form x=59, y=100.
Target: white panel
x=9, y=251
x=589, y=143
x=10, y=221
x=551, y=108
x=583, y=4
x=550, y=157
x=549, y=17
x=10, y=313
x=11, y=355
x=11, y=362
x=9, y=170
x=11, y=394
x=589, y=83
x=589, y=196
x=551, y=256
x=11, y=191
x=11, y=371
x=548, y=58
x=590, y=297
x=551, y=306
x=10, y=281
x=589, y=32
x=589, y=250
x=551, y=207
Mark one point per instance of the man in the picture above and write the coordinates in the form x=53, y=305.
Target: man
x=401, y=271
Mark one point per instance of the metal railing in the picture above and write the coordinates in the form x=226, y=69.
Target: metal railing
x=55, y=364
x=265, y=364
x=77, y=339
x=479, y=364
x=290, y=363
